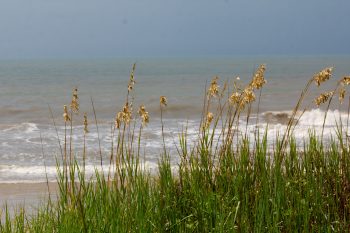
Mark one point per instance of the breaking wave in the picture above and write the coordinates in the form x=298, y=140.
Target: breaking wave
x=25, y=146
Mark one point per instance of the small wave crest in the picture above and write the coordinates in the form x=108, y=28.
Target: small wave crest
x=38, y=174
x=25, y=127
x=310, y=118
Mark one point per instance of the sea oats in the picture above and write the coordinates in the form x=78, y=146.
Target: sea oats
x=163, y=101
x=323, y=98
x=145, y=119
x=127, y=115
x=258, y=78
x=75, y=101
x=124, y=116
x=209, y=119
x=346, y=80
x=323, y=75
x=241, y=105
x=341, y=94
x=141, y=110
x=223, y=90
x=214, y=87
x=118, y=119
x=132, y=80
x=243, y=99
x=85, y=124
x=65, y=114
x=248, y=95
x=235, y=98
x=144, y=115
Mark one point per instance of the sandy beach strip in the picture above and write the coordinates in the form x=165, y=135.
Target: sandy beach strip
x=28, y=195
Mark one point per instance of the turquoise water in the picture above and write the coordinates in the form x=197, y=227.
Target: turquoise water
x=29, y=86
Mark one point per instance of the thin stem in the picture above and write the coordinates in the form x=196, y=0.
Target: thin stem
x=84, y=153
x=98, y=133
x=65, y=169
x=325, y=115
x=71, y=139
x=295, y=110
x=47, y=179
x=55, y=126
x=347, y=122
x=161, y=119
x=247, y=121
x=112, y=148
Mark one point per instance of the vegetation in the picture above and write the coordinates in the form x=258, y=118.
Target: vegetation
x=226, y=182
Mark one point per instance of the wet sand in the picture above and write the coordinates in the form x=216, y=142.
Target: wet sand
x=28, y=195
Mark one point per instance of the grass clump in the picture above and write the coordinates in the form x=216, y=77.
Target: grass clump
x=226, y=182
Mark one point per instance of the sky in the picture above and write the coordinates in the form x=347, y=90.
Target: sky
x=172, y=28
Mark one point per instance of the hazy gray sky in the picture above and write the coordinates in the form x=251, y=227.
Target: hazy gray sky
x=119, y=28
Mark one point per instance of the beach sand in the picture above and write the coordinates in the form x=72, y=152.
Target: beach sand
x=28, y=195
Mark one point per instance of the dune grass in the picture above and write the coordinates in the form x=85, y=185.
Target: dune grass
x=219, y=185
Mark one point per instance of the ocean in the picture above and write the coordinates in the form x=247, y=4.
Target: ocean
x=29, y=88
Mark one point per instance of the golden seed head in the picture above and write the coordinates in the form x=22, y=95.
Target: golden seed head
x=323, y=75
x=65, y=114
x=258, y=78
x=144, y=115
x=163, y=101
x=132, y=80
x=241, y=105
x=341, y=94
x=213, y=90
x=224, y=89
x=119, y=119
x=248, y=95
x=123, y=116
x=85, y=124
x=235, y=98
x=75, y=101
x=209, y=119
x=130, y=87
x=142, y=110
x=346, y=80
x=127, y=113
x=323, y=98
x=145, y=119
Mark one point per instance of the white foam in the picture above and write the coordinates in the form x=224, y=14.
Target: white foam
x=25, y=127
x=315, y=118
x=22, y=159
x=37, y=174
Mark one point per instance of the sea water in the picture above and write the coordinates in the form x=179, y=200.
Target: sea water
x=31, y=138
